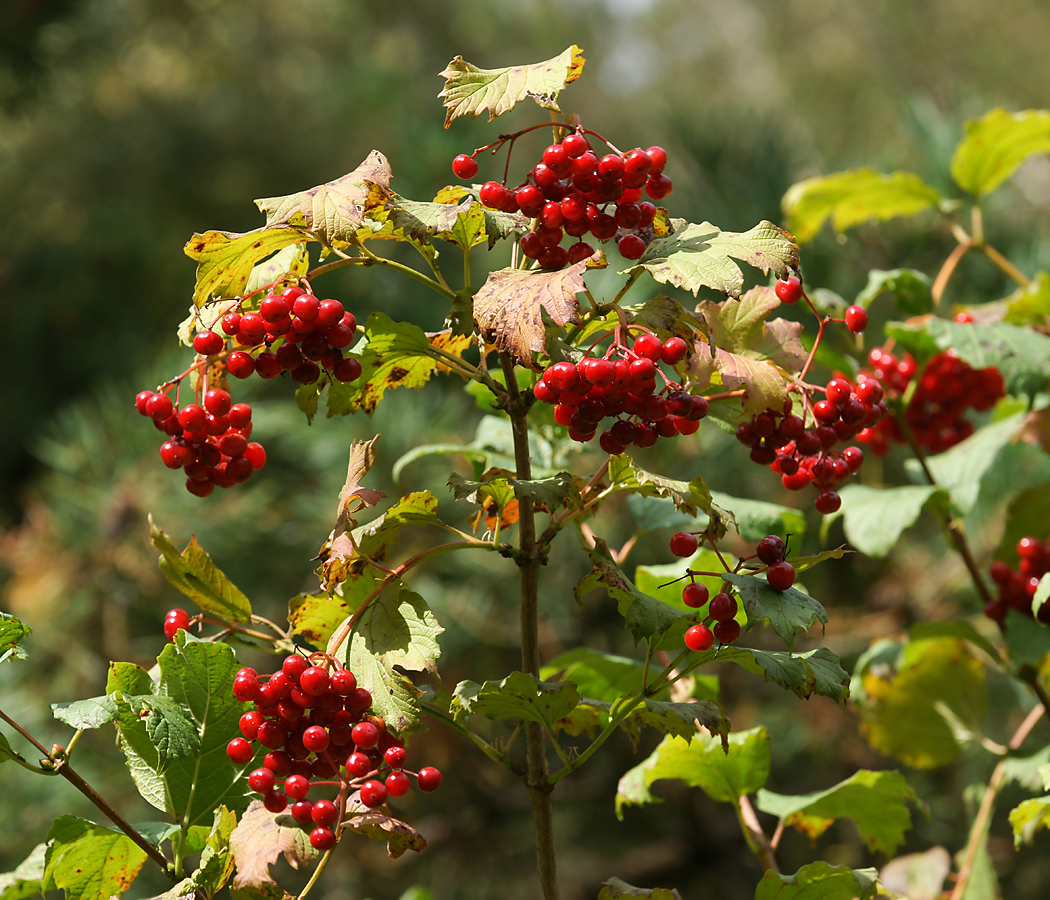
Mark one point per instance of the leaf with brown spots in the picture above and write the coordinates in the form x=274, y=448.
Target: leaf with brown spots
x=89, y=860
x=399, y=836
x=453, y=344
x=258, y=840
x=470, y=91
x=333, y=211
x=225, y=260
x=508, y=307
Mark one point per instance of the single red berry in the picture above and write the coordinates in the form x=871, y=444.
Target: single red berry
x=279, y=761
x=397, y=784
x=314, y=681
x=723, y=608
x=394, y=757
x=727, y=631
x=217, y=402
x=159, y=407
x=301, y=810
x=695, y=595
x=365, y=735
x=325, y=812
x=316, y=739
x=173, y=621
x=658, y=186
x=856, y=319
x=770, y=549
x=262, y=780
x=658, y=156
x=240, y=751
x=297, y=787
x=255, y=454
x=674, y=351
x=789, y=290
x=330, y=313
x=631, y=246
x=249, y=724
x=827, y=503
x=275, y=801
x=359, y=700
x=240, y=364
x=428, y=779
x=493, y=194
x=781, y=576
x=272, y=736
x=208, y=343
x=699, y=638
x=322, y=838
x=683, y=543
x=358, y=764
x=464, y=166
x=373, y=794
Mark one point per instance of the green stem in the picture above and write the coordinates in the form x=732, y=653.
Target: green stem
x=529, y=561
x=316, y=874
x=483, y=745
x=1004, y=265
x=614, y=722
x=447, y=292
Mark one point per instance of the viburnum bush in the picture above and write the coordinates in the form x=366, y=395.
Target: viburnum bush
x=586, y=388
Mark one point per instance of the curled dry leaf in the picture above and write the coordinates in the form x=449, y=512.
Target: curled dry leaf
x=258, y=840
x=379, y=826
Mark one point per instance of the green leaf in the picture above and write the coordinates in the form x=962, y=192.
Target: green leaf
x=614, y=889
x=465, y=224
x=678, y=719
x=995, y=145
x=377, y=538
x=1028, y=818
x=1041, y=595
x=1021, y=355
x=293, y=262
x=225, y=260
x=853, y=197
x=645, y=616
x=194, y=573
x=819, y=881
x=814, y=672
x=129, y=678
x=1027, y=771
x=332, y=212
x=470, y=91
x=909, y=288
x=755, y=519
x=11, y=633
x=87, y=860
x=393, y=355
x=217, y=863
x=875, y=518
x=701, y=762
x=597, y=675
x=688, y=496
x=1030, y=304
x=957, y=629
x=1027, y=641
x=398, y=629
x=198, y=676
x=518, y=696
x=789, y=612
x=26, y=879
x=6, y=752
x=876, y=802
x=701, y=255
x=307, y=398
x=900, y=715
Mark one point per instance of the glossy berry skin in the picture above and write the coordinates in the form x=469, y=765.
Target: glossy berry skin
x=789, y=290
x=699, y=638
x=324, y=812
x=780, y=576
x=695, y=595
x=373, y=794
x=296, y=787
x=395, y=757
x=314, y=681
x=770, y=549
x=723, y=607
x=683, y=544
x=240, y=751
x=358, y=764
x=464, y=167
x=674, y=351
x=262, y=780
x=173, y=621
x=301, y=810
x=727, y=631
x=275, y=801
x=856, y=319
x=322, y=838
x=365, y=735
x=428, y=779
x=316, y=739
x=397, y=784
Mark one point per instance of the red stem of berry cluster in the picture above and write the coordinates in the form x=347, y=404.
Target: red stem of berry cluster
x=529, y=562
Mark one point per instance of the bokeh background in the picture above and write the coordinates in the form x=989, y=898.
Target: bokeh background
x=127, y=125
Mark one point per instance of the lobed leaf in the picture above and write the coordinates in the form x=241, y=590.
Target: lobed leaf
x=853, y=197
x=814, y=672
x=876, y=802
x=225, y=260
x=789, y=612
x=518, y=696
x=701, y=255
x=257, y=842
x=466, y=223
x=88, y=860
x=470, y=91
x=688, y=496
x=910, y=289
x=332, y=212
x=678, y=719
x=11, y=633
x=819, y=881
x=508, y=307
x=379, y=826
x=996, y=145
x=194, y=573
x=875, y=518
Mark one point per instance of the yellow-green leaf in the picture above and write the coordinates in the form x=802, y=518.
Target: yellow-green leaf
x=853, y=197
x=996, y=144
x=470, y=91
x=225, y=260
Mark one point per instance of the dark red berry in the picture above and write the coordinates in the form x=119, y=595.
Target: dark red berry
x=322, y=838
x=695, y=595
x=683, y=544
x=780, y=576
x=428, y=779
x=727, y=631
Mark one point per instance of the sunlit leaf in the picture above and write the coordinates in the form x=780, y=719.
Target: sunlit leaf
x=1029, y=817
x=225, y=260
x=853, y=197
x=88, y=860
x=470, y=91
x=379, y=826
x=11, y=633
x=518, y=696
x=996, y=144
x=26, y=878
x=819, y=881
x=257, y=842
x=690, y=497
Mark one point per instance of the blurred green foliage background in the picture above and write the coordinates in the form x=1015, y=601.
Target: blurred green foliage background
x=127, y=125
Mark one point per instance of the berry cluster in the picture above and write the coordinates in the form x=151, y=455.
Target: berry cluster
x=722, y=607
x=570, y=191
x=208, y=440
x=1016, y=589
x=585, y=393
x=309, y=334
x=946, y=389
x=804, y=456
x=317, y=725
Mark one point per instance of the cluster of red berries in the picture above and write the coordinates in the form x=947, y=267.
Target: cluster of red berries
x=314, y=334
x=789, y=290
x=209, y=440
x=806, y=456
x=318, y=728
x=946, y=389
x=722, y=607
x=573, y=192
x=1016, y=589
x=585, y=393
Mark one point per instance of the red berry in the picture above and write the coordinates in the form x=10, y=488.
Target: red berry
x=159, y=407
x=250, y=723
x=428, y=779
x=695, y=595
x=659, y=159
x=827, y=503
x=723, y=608
x=856, y=319
x=208, y=343
x=770, y=549
x=789, y=290
x=492, y=194
x=365, y=735
x=301, y=810
x=173, y=621
x=297, y=787
x=727, y=631
x=358, y=764
x=674, y=351
x=464, y=166
x=262, y=780
x=217, y=402
x=325, y=812
x=631, y=246
x=240, y=751
x=373, y=794
x=658, y=186
x=316, y=739
x=683, y=544
x=780, y=576
x=314, y=681
x=394, y=757
x=699, y=638
x=322, y=838
x=397, y=784
x=275, y=801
